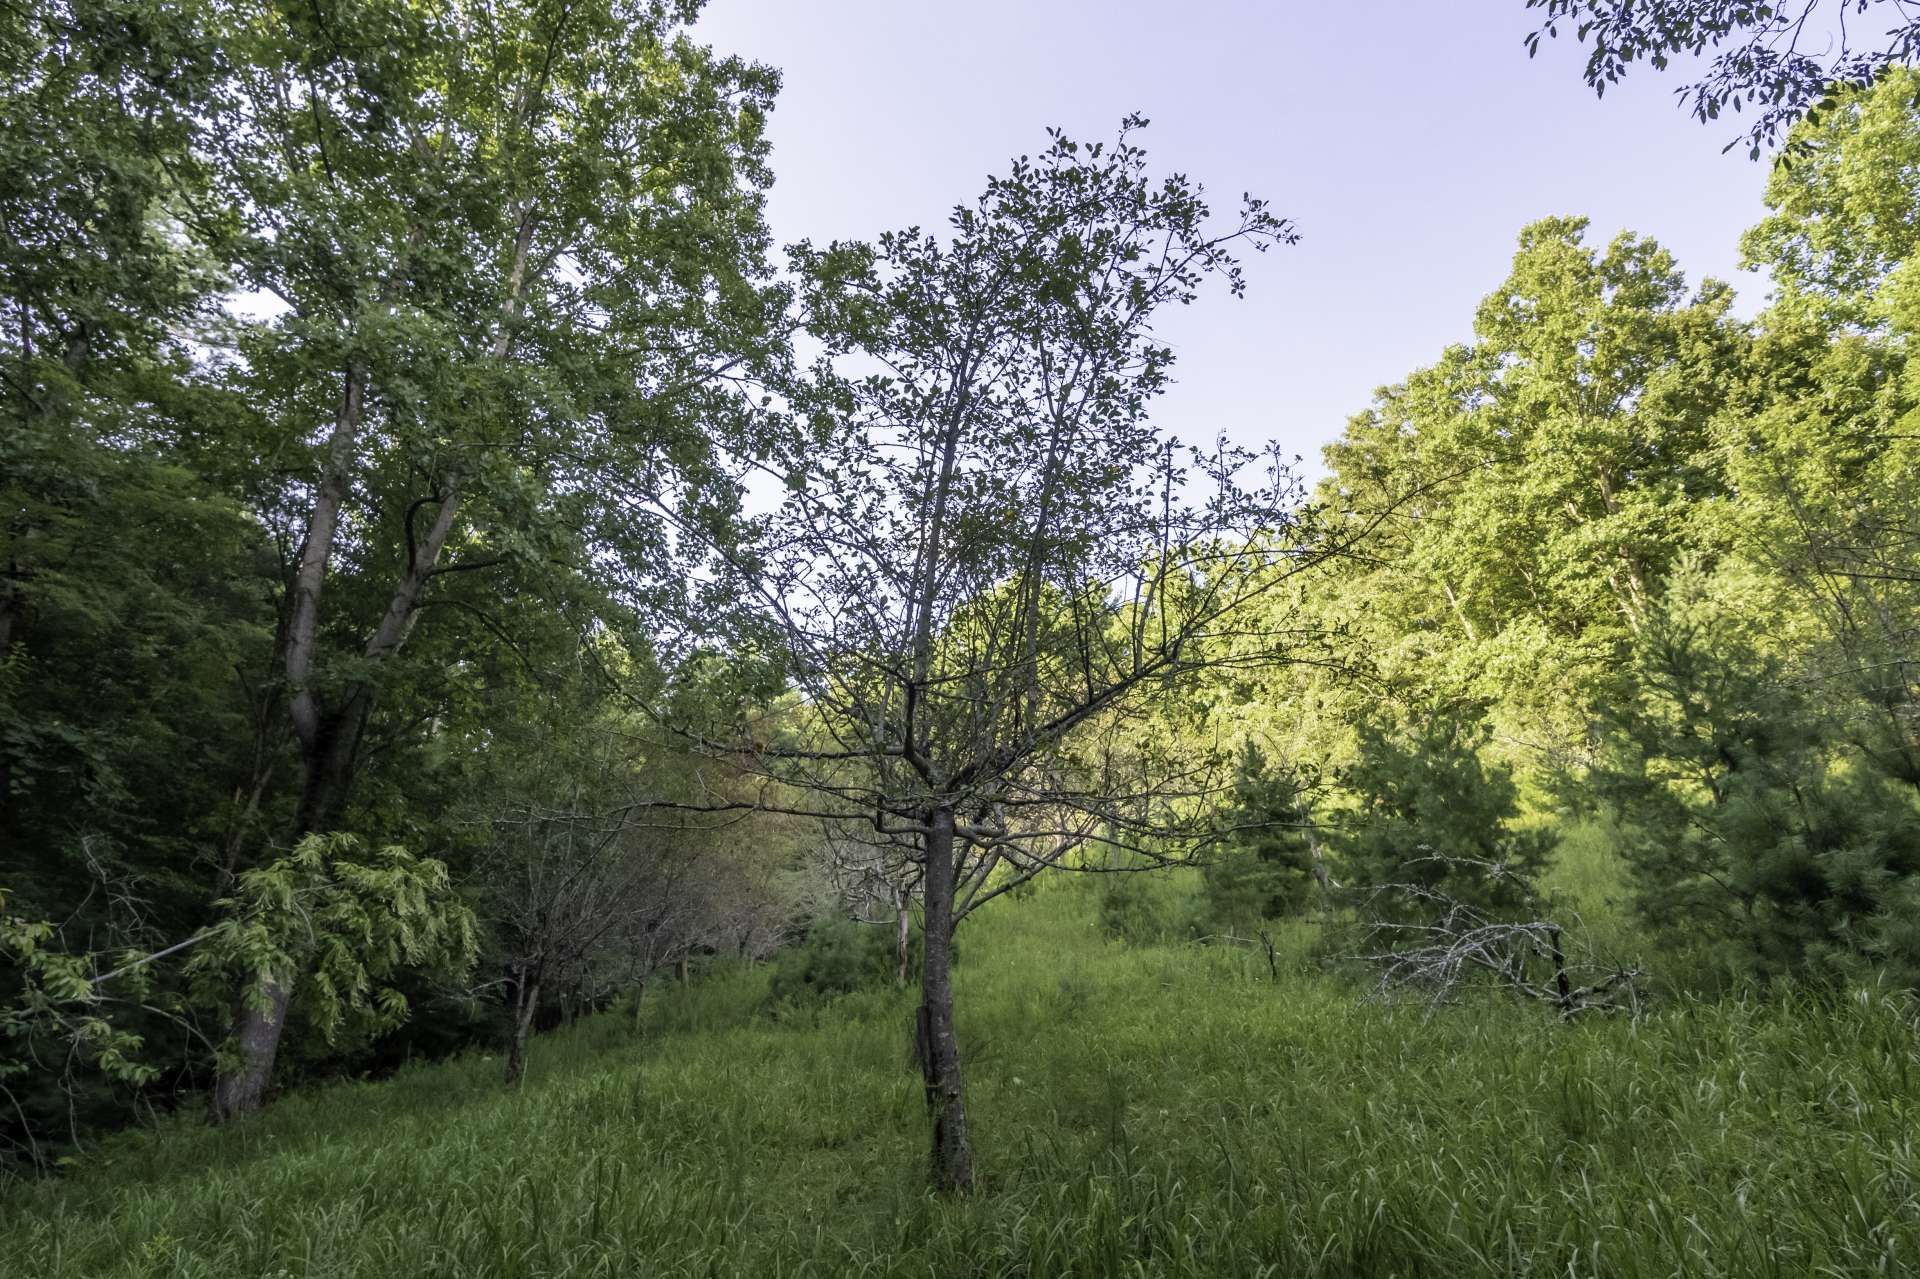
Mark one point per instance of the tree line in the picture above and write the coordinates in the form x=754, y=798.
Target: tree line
x=1653, y=564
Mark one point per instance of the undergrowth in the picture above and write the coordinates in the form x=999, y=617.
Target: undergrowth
x=1145, y=1110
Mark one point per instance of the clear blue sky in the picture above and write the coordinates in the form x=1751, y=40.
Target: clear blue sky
x=1408, y=139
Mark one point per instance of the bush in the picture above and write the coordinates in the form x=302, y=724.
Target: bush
x=1432, y=814
x=1245, y=890
x=1135, y=908
x=841, y=956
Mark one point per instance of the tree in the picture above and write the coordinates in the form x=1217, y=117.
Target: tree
x=1427, y=805
x=520, y=252
x=1529, y=492
x=134, y=585
x=988, y=573
x=339, y=922
x=97, y=109
x=877, y=873
x=1273, y=856
x=581, y=889
x=1785, y=60
x=1821, y=444
x=1747, y=828
x=337, y=930
x=1430, y=942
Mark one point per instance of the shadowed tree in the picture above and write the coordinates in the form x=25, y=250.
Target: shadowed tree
x=581, y=893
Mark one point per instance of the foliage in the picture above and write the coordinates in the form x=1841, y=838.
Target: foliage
x=1137, y=909
x=1267, y=869
x=1427, y=804
x=838, y=957
x=337, y=377
x=133, y=585
x=339, y=930
x=1747, y=826
x=1783, y=60
x=1527, y=494
x=345, y=931
x=53, y=1020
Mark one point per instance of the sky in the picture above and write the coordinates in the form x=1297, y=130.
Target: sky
x=1408, y=140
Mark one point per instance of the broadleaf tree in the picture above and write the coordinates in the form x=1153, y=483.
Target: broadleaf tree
x=519, y=253
x=991, y=567
x=1783, y=59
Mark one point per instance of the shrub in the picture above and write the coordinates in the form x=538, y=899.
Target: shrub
x=1135, y=908
x=1266, y=870
x=841, y=956
x=1431, y=813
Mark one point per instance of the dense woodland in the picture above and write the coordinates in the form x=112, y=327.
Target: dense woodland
x=458, y=576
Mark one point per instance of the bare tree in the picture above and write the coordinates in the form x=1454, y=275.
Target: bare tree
x=587, y=892
x=992, y=576
x=566, y=892
x=877, y=877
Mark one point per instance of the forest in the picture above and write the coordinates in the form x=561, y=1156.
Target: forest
x=512, y=680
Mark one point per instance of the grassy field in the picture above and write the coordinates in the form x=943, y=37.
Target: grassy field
x=1151, y=1111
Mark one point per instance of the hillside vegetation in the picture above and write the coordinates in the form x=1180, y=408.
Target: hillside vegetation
x=513, y=666
x=1162, y=1109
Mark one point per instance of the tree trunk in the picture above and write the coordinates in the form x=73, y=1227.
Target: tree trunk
x=328, y=764
x=682, y=971
x=952, y=1162
x=10, y=610
x=526, y=999
x=256, y=1033
x=330, y=740
x=639, y=1001
x=902, y=934
x=1321, y=875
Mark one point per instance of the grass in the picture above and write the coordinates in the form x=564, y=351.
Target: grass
x=1151, y=1111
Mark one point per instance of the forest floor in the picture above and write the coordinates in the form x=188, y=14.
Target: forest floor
x=1150, y=1110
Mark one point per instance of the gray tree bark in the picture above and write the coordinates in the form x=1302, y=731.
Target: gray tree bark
x=256, y=1035
x=952, y=1154
x=526, y=1000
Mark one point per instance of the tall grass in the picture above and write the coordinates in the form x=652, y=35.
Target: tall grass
x=1160, y=1110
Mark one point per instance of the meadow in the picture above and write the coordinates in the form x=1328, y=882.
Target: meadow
x=1161, y=1109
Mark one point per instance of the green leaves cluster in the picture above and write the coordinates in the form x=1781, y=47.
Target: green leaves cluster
x=1785, y=62
x=53, y=1007
x=337, y=923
